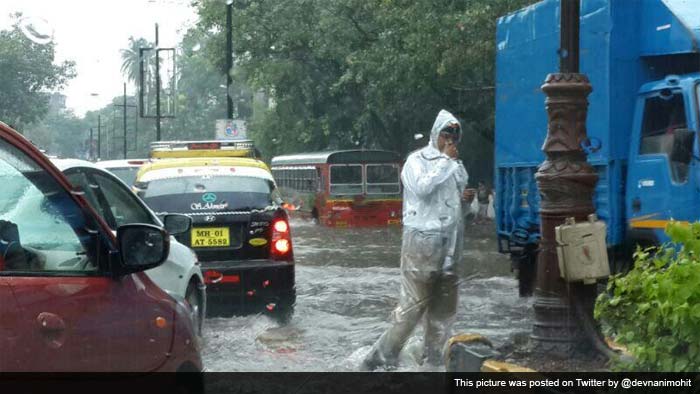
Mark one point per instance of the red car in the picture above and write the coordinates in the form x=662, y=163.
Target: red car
x=73, y=297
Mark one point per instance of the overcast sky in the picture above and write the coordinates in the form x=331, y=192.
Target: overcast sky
x=92, y=32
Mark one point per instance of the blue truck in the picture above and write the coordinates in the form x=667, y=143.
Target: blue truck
x=642, y=58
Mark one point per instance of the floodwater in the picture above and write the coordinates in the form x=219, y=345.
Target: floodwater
x=347, y=285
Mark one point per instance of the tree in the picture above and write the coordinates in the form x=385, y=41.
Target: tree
x=27, y=76
x=60, y=132
x=131, y=69
x=200, y=98
x=365, y=73
x=130, y=58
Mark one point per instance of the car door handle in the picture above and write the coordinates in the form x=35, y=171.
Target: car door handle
x=49, y=322
x=52, y=328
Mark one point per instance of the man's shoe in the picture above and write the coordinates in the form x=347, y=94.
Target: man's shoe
x=374, y=361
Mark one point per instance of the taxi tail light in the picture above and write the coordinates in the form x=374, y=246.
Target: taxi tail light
x=281, y=245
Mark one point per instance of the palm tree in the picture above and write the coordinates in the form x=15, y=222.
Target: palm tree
x=130, y=58
x=131, y=68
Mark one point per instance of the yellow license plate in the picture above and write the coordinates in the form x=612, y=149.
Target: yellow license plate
x=210, y=237
x=393, y=221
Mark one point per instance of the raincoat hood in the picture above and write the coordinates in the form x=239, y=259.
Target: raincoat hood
x=443, y=119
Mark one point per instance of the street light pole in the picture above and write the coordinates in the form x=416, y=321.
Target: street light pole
x=229, y=58
x=157, y=88
x=92, y=157
x=99, y=135
x=566, y=182
x=124, y=120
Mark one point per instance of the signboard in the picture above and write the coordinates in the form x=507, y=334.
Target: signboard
x=231, y=129
x=157, y=64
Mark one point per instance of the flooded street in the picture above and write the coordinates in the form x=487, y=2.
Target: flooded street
x=347, y=284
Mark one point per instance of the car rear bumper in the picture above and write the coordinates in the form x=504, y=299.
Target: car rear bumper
x=251, y=286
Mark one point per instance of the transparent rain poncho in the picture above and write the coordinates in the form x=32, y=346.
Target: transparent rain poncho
x=431, y=250
x=432, y=201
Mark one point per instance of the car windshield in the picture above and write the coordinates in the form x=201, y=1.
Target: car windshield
x=41, y=227
x=126, y=174
x=205, y=193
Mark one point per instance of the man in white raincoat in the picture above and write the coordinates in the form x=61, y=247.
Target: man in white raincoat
x=434, y=180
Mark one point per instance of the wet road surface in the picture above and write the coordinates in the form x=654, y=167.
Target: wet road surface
x=347, y=285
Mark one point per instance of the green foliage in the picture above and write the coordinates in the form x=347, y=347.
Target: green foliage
x=60, y=133
x=315, y=74
x=655, y=308
x=27, y=76
x=201, y=98
x=130, y=58
x=369, y=73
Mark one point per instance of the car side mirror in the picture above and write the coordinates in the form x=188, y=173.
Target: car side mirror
x=177, y=224
x=141, y=247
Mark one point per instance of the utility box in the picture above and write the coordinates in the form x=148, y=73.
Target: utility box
x=582, y=251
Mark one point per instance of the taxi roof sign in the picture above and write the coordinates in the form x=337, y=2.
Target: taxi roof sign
x=208, y=148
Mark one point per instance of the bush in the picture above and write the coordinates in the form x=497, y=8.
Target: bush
x=655, y=309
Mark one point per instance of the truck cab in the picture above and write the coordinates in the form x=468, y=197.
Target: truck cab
x=643, y=62
x=663, y=180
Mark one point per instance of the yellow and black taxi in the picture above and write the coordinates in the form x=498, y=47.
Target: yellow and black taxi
x=240, y=233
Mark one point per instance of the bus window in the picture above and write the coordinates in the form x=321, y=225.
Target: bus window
x=303, y=181
x=346, y=179
x=278, y=177
x=297, y=179
x=321, y=183
x=382, y=179
x=314, y=180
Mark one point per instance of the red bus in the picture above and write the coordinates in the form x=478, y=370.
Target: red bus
x=344, y=188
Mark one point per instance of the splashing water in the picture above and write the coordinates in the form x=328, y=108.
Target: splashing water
x=347, y=285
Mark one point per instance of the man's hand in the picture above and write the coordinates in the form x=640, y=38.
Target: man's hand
x=451, y=150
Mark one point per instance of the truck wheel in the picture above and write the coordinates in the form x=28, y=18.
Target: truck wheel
x=526, y=265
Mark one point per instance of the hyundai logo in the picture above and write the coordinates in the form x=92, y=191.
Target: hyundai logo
x=209, y=197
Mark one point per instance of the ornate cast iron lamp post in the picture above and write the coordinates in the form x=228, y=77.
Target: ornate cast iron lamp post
x=566, y=184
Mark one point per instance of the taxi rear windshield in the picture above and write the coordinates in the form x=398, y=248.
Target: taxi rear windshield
x=206, y=194
x=126, y=174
